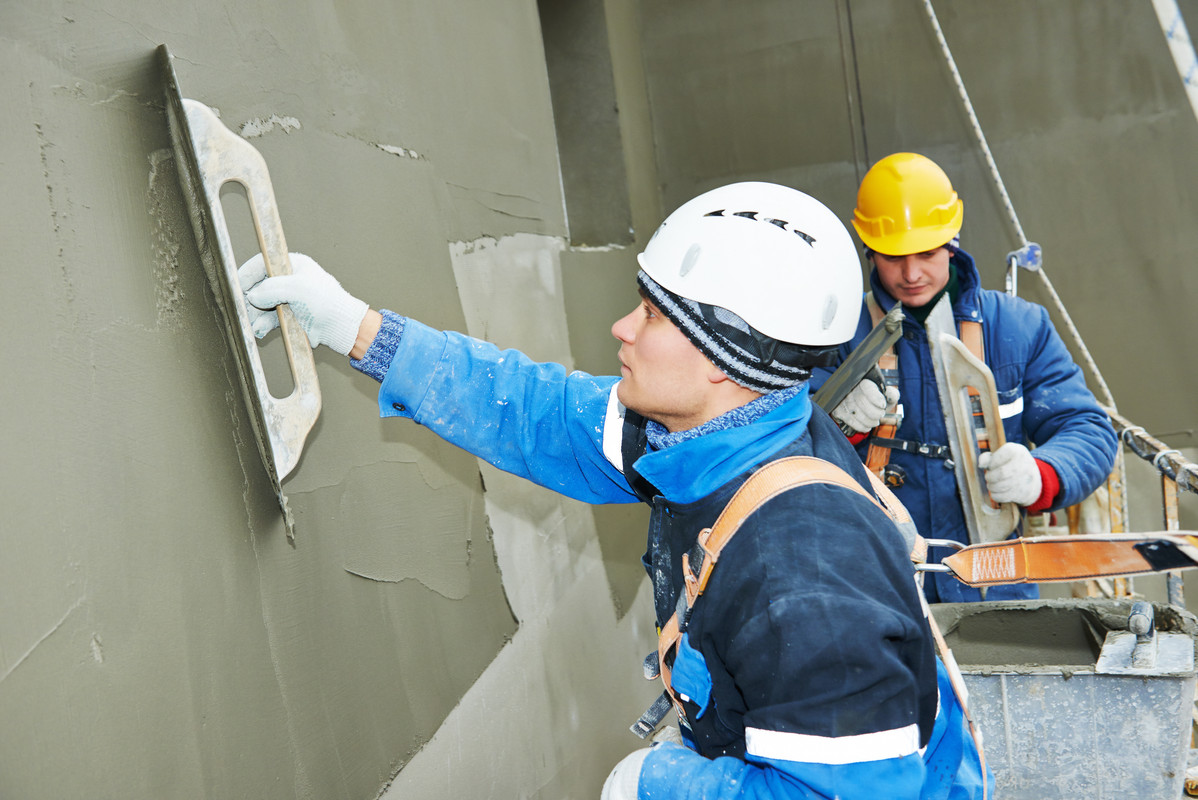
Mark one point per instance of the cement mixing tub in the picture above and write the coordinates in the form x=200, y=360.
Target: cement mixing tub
x=1064, y=712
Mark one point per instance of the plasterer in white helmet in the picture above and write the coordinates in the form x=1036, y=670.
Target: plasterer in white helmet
x=805, y=668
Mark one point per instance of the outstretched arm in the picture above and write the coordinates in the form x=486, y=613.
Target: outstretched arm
x=531, y=419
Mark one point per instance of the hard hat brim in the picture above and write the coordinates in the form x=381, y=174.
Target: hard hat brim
x=906, y=243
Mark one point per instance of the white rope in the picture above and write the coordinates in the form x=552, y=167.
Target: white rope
x=1104, y=390
x=977, y=127
x=1010, y=208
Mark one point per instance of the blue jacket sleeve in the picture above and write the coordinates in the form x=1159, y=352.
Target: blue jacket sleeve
x=531, y=419
x=1060, y=415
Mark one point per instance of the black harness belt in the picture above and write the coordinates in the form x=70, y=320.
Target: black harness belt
x=907, y=446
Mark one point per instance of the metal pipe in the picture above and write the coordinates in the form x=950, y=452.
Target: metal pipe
x=1167, y=460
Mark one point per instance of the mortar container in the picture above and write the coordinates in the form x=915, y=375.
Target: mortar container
x=1072, y=703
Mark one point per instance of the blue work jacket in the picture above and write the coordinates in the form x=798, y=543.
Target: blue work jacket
x=1044, y=403
x=808, y=665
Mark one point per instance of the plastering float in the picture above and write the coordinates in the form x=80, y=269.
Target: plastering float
x=208, y=156
x=960, y=379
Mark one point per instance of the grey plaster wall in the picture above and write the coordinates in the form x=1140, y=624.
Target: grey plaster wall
x=439, y=629
x=160, y=636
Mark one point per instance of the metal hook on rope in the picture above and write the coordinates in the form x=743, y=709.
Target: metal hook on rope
x=1029, y=257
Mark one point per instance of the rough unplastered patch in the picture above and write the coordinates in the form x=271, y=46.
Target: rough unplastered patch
x=253, y=128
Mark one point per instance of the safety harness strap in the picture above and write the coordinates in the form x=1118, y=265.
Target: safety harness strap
x=1060, y=559
x=768, y=482
x=878, y=455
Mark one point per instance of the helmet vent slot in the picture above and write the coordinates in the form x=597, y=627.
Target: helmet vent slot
x=830, y=306
x=779, y=223
x=690, y=259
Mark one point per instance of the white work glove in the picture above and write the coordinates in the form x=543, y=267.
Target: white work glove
x=327, y=313
x=863, y=408
x=1011, y=475
x=622, y=782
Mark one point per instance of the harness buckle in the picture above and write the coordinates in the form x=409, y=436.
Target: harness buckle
x=894, y=476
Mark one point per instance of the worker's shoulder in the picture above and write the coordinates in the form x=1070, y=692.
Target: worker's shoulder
x=804, y=541
x=816, y=510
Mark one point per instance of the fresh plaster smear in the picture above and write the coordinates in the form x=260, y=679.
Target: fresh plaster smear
x=511, y=295
x=511, y=291
x=559, y=698
x=409, y=526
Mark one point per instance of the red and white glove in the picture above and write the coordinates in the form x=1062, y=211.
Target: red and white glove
x=1012, y=475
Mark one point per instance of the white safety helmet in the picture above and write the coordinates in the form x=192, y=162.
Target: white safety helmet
x=774, y=256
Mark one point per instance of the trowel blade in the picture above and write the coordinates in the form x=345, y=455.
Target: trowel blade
x=208, y=155
x=859, y=362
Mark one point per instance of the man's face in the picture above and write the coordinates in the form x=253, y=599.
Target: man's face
x=915, y=279
x=664, y=376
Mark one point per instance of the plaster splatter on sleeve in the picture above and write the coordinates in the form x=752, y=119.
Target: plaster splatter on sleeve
x=529, y=418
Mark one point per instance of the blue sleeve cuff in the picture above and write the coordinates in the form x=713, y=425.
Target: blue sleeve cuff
x=378, y=358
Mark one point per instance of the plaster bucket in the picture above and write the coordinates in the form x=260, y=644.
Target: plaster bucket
x=1067, y=705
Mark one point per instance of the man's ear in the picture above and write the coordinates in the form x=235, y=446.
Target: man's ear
x=716, y=375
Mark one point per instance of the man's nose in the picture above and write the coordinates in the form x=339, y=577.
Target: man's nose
x=622, y=328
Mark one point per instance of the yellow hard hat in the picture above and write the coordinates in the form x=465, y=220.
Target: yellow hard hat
x=906, y=204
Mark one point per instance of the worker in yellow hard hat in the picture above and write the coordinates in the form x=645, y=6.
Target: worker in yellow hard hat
x=909, y=219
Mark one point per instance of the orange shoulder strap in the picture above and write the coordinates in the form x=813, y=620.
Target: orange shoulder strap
x=764, y=485
x=876, y=458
